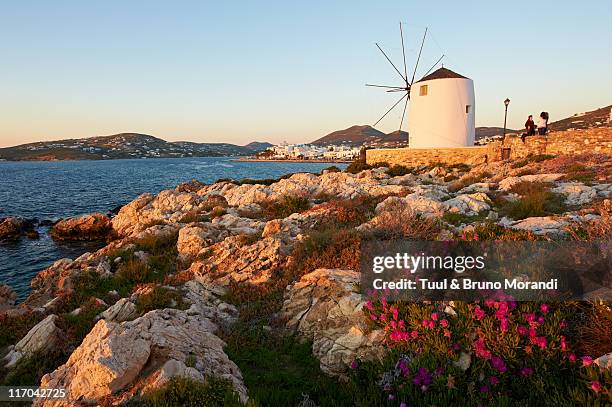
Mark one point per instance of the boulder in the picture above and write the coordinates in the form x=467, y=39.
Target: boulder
x=576, y=193
x=468, y=204
x=87, y=227
x=507, y=183
x=417, y=203
x=541, y=225
x=13, y=227
x=195, y=238
x=232, y=260
x=113, y=355
x=122, y=310
x=325, y=307
x=44, y=335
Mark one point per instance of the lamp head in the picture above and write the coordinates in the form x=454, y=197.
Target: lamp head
x=507, y=102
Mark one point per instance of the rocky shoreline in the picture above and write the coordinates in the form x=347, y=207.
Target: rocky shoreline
x=185, y=268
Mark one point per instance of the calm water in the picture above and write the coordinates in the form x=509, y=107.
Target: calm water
x=53, y=190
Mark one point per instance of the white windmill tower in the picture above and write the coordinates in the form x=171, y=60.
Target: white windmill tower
x=443, y=105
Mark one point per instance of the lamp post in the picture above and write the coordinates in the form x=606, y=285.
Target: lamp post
x=506, y=103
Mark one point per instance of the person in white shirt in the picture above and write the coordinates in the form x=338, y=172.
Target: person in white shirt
x=542, y=123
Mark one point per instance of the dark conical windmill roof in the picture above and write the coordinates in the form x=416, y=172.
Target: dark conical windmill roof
x=441, y=73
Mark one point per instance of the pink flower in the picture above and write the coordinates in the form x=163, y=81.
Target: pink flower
x=541, y=342
x=481, y=350
x=563, y=324
x=484, y=389
x=403, y=404
x=526, y=371
x=428, y=323
x=522, y=330
x=434, y=316
x=493, y=380
x=444, y=323
x=530, y=317
x=596, y=386
x=572, y=357
x=395, y=313
x=499, y=364
x=544, y=308
x=354, y=364
x=383, y=317
x=369, y=305
x=563, y=344
x=541, y=320
x=414, y=334
x=587, y=360
x=447, y=333
x=503, y=324
x=479, y=313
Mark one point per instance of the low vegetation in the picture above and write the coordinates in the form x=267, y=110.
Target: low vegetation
x=536, y=199
x=288, y=204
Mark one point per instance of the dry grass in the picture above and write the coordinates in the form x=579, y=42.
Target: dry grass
x=398, y=221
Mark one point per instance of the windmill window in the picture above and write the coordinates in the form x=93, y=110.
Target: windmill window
x=423, y=90
x=467, y=109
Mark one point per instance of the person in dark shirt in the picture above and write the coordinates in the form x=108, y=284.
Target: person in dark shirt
x=529, y=128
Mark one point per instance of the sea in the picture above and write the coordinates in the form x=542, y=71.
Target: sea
x=61, y=189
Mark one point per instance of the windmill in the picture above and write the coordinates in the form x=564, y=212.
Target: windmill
x=406, y=85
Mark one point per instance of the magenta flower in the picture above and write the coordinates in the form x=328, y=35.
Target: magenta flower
x=403, y=404
x=484, y=389
x=596, y=386
x=373, y=317
x=563, y=344
x=434, y=316
x=369, y=305
x=572, y=357
x=541, y=320
x=354, y=364
x=403, y=366
x=422, y=378
x=493, y=380
x=503, y=324
x=526, y=371
x=391, y=397
x=395, y=313
x=522, y=330
x=479, y=313
x=481, y=350
x=541, y=342
x=499, y=364
x=414, y=334
x=444, y=323
x=530, y=317
x=587, y=360
x=563, y=324
x=544, y=308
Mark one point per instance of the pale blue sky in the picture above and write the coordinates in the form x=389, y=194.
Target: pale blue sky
x=240, y=71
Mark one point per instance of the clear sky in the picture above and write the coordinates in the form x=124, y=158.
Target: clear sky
x=215, y=71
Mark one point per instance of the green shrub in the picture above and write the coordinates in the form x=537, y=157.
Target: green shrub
x=398, y=170
x=285, y=206
x=468, y=180
x=333, y=168
x=536, y=200
x=16, y=327
x=29, y=370
x=458, y=218
x=181, y=391
x=159, y=298
x=357, y=166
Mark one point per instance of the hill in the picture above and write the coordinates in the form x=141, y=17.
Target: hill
x=122, y=145
x=360, y=135
x=601, y=117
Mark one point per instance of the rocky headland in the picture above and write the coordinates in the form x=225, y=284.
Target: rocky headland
x=220, y=284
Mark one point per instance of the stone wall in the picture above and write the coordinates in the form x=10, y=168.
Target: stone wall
x=412, y=157
x=597, y=140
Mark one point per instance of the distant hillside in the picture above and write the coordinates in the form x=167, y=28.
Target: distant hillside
x=597, y=118
x=257, y=146
x=123, y=145
x=359, y=135
x=482, y=132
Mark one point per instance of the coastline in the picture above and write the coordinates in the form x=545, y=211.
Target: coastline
x=243, y=159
